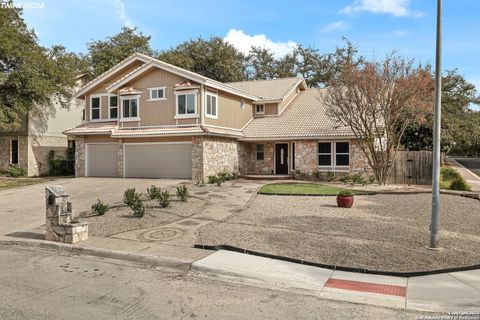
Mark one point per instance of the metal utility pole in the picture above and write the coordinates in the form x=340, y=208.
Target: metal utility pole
x=436, y=134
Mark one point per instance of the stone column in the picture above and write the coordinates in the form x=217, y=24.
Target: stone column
x=79, y=156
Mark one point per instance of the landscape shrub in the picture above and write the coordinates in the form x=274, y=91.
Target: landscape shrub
x=345, y=178
x=449, y=173
x=221, y=177
x=129, y=196
x=133, y=199
x=358, y=178
x=459, y=184
x=371, y=179
x=163, y=199
x=182, y=193
x=330, y=176
x=153, y=192
x=16, y=171
x=99, y=208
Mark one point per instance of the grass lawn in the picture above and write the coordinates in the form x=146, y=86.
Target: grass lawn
x=20, y=182
x=302, y=188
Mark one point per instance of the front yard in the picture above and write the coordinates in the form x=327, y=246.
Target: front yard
x=301, y=189
x=380, y=232
x=8, y=183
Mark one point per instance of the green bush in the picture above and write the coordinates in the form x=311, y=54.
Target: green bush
x=212, y=179
x=164, y=199
x=16, y=171
x=345, y=178
x=371, y=179
x=460, y=185
x=182, y=193
x=137, y=206
x=358, y=178
x=99, y=208
x=449, y=173
x=330, y=176
x=129, y=196
x=153, y=192
x=345, y=193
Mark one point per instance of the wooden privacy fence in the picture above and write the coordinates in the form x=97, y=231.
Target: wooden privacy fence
x=412, y=167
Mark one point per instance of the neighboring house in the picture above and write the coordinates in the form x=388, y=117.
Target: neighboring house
x=147, y=118
x=29, y=145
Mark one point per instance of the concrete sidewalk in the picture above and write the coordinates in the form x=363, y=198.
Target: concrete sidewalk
x=450, y=292
x=472, y=179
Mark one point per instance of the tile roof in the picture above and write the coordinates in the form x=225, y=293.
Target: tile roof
x=305, y=117
x=276, y=89
x=92, y=128
x=155, y=132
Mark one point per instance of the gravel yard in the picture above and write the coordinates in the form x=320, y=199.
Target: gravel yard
x=380, y=232
x=120, y=219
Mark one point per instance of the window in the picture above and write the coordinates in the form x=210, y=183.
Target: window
x=260, y=152
x=95, y=104
x=333, y=154
x=242, y=104
x=14, y=151
x=211, y=110
x=259, y=109
x=342, y=154
x=325, y=154
x=113, y=107
x=130, y=107
x=186, y=104
x=156, y=94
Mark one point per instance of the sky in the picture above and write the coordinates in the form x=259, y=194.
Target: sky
x=376, y=26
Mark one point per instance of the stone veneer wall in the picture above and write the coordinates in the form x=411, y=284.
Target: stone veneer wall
x=219, y=155
x=358, y=160
x=4, y=154
x=248, y=158
x=306, y=156
x=39, y=148
x=79, y=156
x=197, y=159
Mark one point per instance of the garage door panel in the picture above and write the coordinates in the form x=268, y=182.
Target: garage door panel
x=101, y=160
x=158, y=160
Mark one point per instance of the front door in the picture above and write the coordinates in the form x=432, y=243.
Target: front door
x=281, y=158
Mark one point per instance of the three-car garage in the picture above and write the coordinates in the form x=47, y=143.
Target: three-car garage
x=140, y=160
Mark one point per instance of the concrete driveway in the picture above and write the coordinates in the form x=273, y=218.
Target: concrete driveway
x=22, y=209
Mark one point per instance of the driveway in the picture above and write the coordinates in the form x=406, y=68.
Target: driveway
x=22, y=209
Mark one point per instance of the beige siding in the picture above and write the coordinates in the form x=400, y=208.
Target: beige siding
x=287, y=101
x=230, y=114
x=158, y=112
x=159, y=139
x=271, y=108
x=99, y=138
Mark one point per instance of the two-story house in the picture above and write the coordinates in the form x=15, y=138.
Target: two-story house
x=29, y=145
x=147, y=118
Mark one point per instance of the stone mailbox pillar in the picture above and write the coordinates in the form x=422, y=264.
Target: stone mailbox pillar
x=60, y=224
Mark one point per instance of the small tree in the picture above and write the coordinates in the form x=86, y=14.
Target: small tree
x=378, y=100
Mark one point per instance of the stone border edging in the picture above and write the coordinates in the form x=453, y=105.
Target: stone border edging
x=101, y=253
x=333, y=267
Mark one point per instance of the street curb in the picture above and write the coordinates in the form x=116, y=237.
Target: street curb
x=461, y=165
x=334, y=267
x=102, y=253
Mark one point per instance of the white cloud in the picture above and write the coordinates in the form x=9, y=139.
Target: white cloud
x=335, y=26
x=398, y=8
x=400, y=33
x=243, y=42
x=120, y=9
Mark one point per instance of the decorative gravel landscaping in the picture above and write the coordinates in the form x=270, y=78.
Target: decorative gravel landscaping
x=301, y=189
x=381, y=232
x=120, y=219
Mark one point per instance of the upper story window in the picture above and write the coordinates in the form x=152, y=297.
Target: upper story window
x=212, y=108
x=157, y=93
x=113, y=107
x=186, y=104
x=95, y=106
x=259, y=109
x=130, y=108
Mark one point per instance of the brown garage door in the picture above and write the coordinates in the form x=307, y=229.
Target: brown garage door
x=162, y=160
x=101, y=160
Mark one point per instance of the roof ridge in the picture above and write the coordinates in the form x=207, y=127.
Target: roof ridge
x=263, y=80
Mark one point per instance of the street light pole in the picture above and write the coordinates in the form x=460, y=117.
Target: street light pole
x=436, y=134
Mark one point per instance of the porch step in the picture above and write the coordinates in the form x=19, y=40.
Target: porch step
x=267, y=176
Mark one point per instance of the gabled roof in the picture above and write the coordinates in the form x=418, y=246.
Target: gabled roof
x=270, y=90
x=305, y=117
x=152, y=62
x=98, y=80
